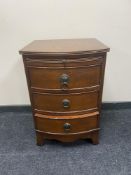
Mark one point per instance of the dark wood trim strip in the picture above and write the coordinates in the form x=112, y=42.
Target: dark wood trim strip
x=67, y=67
x=62, y=113
x=65, y=53
x=15, y=108
x=67, y=117
x=58, y=61
x=72, y=93
x=82, y=132
x=73, y=90
x=116, y=105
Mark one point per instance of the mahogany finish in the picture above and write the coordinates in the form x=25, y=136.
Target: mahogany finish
x=49, y=78
x=53, y=103
x=76, y=125
x=65, y=82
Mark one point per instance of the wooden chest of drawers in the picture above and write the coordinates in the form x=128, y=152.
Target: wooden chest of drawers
x=65, y=82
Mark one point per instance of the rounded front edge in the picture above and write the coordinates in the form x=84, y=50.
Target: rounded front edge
x=92, y=134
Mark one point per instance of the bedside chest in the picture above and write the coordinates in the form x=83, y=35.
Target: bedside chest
x=65, y=82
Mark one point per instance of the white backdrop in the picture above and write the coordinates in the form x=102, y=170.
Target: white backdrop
x=22, y=21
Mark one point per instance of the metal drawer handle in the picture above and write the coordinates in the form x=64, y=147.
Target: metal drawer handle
x=67, y=127
x=66, y=103
x=64, y=79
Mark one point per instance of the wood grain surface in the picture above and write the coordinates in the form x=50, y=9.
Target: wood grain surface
x=65, y=82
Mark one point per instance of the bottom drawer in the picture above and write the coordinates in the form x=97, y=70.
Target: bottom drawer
x=70, y=125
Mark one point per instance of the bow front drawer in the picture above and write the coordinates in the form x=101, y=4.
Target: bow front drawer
x=64, y=78
x=67, y=126
x=65, y=103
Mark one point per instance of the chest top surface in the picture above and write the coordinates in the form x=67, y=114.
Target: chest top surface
x=64, y=46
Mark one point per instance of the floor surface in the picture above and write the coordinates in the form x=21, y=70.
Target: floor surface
x=19, y=154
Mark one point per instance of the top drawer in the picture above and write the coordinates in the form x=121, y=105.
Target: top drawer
x=72, y=74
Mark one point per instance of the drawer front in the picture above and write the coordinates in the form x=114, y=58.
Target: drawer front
x=64, y=78
x=45, y=61
x=67, y=125
x=65, y=103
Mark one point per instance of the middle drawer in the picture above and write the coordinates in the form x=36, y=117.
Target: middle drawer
x=65, y=103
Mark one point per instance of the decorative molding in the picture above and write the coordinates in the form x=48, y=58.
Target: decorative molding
x=72, y=133
x=62, y=113
x=67, y=67
x=90, y=88
x=65, y=53
x=58, y=61
x=66, y=94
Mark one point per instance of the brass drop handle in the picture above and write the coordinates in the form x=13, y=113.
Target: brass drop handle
x=67, y=127
x=64, y=79
x=66, y=103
